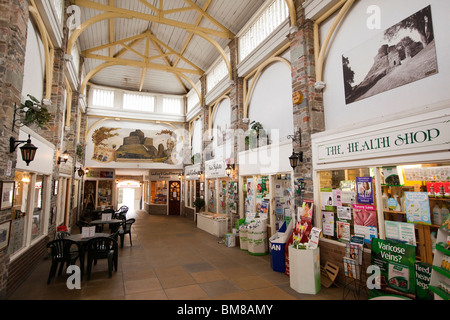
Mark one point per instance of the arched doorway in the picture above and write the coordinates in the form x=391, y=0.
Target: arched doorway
x=129, y=194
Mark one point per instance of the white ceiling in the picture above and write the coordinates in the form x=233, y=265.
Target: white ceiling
x=176, y=40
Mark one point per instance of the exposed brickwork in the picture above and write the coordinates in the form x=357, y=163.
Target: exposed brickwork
x=13, y=32
x=21, y=267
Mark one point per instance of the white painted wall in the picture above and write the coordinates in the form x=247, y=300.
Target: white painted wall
x=271, y=102
x=410, y=99
x=34, y=69
x=197, y=136
x=221, y=124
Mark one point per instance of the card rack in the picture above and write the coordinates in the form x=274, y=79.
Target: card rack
x=354, y=271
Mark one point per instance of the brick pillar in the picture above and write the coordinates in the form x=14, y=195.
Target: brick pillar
x=204, y=114
x=237, y=114
x=308, y=116
x=13, y=37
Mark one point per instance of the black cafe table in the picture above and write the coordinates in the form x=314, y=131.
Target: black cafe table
x=79, y=237
x=83, y=241
x=101, y=222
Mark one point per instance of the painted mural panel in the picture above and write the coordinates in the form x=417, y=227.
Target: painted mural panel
x=113, y=144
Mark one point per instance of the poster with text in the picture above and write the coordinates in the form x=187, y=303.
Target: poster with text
x=400, y=231
x=365, y=221
x=328, y=223
x=364, y=190
x=417, y=207
x=326, y=199
x=343, y=231
x=395, y=261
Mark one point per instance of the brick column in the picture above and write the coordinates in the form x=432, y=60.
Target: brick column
x=308, y=116
x=13, y=37
x=237, y=114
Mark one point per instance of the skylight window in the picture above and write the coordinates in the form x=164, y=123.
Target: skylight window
x=264, y=25
x=102, y=98
x=138, y=102
x=172, y=105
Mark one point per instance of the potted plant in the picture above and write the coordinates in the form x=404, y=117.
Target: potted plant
x=199, y=203
x=80, y=151
x=34, y=112
x=256, y=129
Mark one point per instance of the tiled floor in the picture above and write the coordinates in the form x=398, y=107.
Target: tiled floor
x=171, y=259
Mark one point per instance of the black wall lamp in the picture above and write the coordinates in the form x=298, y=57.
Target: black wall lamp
x=80, y=171
x=65, y=157
x=28, y=150
x=296, y=157
x=229, y=168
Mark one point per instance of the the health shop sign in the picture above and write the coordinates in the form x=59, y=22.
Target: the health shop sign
x=424, y=136
x=395, y=261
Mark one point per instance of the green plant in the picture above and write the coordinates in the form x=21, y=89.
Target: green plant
x=255, y=128
x=199, y=203
x=34, y=112
x=80, y=151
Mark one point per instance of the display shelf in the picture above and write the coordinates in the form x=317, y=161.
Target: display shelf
x=442, y=271
x=438, y=291
x=440, y=275
x=441, y=247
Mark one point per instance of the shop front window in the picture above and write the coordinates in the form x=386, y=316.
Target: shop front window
x=223, y=197
x=347, y=200
x=37, y=219
x=189, y=191
x=158, y=192
x=412, y=203
x=416, y=201
x=212, y=196
x=18, y=223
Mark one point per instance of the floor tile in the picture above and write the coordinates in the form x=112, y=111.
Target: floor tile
x=220, y=287
x=190, y=292
x=172, y=259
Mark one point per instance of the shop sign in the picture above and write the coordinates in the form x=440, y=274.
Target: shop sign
x=163, y=175
x=192, y=172
x=431, y=135
x=215, y=169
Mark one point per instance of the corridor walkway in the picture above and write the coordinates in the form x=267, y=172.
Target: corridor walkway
x=171, y=259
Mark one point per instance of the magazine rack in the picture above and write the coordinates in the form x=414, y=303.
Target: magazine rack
x=355, y=279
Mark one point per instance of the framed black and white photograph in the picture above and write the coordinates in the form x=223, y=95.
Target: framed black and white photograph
x=401, y=54
x=5, y=228
x=7, y=194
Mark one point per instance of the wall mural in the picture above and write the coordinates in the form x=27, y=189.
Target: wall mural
x=122, y=145
x=402, y=54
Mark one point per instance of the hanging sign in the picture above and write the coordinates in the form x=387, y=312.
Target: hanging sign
x=192, y=172
x=215, y=169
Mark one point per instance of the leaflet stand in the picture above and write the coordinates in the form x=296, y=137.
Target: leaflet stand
x=354, y=266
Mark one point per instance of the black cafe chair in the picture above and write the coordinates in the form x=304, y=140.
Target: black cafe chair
x=63, y=252
x=62, y=234
x=121, y=213
x=126, y=229
x=102, y=248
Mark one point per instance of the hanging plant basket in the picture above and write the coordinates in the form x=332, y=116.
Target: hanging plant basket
x=32, y=111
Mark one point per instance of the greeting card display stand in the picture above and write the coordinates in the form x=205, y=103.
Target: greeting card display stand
x=355, y=278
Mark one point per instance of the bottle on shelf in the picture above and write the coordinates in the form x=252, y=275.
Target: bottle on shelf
x=437, y=215
x=444, y=213
x=398, y=207
x=385, y=199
